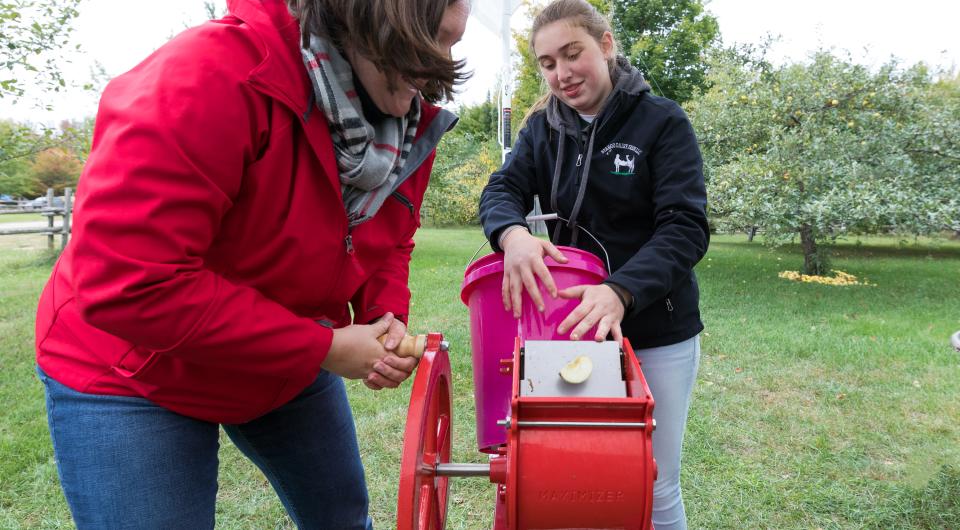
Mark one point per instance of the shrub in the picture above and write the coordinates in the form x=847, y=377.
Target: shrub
x=463, y=165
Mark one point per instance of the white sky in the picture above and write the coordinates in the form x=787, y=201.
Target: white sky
x=120, y=33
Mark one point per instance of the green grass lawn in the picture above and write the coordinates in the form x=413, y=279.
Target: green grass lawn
x=21, y=218
x=816, y=406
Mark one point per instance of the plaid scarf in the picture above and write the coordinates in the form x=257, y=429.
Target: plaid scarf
x=369, y=156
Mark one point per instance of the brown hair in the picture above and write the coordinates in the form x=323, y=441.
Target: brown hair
x=579, y=14
x=399, y=36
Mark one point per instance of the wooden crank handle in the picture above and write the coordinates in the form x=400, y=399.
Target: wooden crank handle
x=410, y=346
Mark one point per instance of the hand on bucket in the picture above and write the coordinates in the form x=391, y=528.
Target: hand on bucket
x=523, y=265
x=599, y=306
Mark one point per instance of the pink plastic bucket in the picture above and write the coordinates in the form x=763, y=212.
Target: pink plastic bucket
x=493, y=329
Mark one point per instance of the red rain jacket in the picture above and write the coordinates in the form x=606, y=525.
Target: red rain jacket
x=210, y=235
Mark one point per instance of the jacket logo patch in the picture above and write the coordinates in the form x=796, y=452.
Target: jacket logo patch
x=623, y=162
x=626, y=163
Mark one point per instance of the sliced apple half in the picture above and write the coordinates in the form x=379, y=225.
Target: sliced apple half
x=578, y=370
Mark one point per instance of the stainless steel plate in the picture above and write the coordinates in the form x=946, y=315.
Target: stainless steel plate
x=543, y=359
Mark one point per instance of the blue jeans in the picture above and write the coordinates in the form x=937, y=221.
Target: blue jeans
x=125, y=462
x=670, y=372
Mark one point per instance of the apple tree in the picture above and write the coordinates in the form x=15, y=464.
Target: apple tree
x=826, y=148
x=34, y=35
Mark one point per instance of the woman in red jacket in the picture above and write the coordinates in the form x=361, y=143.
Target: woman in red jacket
x=250, y=183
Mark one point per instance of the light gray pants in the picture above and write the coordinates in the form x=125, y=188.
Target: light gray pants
x=670, y=372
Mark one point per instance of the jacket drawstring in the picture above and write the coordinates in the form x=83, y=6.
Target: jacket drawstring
x=556, y=183
x=585, y=176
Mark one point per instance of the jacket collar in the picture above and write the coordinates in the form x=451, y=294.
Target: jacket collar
x=281, y=74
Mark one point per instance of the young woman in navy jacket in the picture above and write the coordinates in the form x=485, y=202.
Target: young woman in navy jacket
x=614, y=160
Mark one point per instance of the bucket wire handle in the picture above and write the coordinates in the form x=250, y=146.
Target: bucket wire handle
x=550, y=217
x=485, y=242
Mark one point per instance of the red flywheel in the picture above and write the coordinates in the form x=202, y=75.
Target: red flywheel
x=422, y=500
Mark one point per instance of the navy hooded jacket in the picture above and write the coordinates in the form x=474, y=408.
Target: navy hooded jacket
x=638, y=175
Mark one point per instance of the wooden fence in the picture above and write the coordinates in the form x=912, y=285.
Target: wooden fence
x=51, y=210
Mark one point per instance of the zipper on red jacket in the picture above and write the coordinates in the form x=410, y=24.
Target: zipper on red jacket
x=341, y=263
x=348, y=241
x=403, y=200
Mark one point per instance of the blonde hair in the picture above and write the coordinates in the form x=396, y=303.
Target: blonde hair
x=579, y=14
